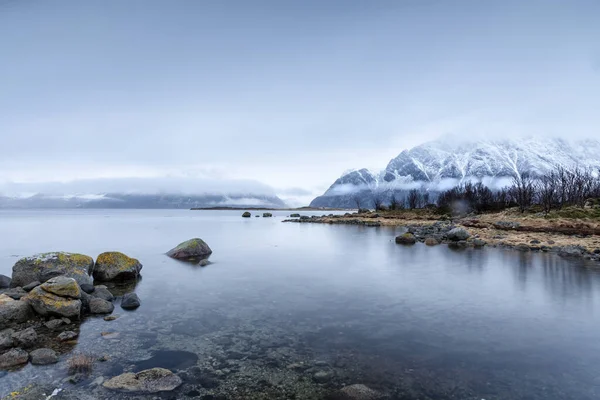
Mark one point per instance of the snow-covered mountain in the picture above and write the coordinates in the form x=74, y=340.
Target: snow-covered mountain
x=443, y=163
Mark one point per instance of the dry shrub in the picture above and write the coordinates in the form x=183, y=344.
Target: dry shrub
x=80, y=363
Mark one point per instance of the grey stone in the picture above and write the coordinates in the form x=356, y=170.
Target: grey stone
x=54, y=324
x=43, y=357
x=13, y=357
x=49, y=304
x=130, y=301
x=148, y=381
x=62, y=286
x=42, y=267
x=246, y=214
x=14, y=311
x=67, y=335
x=6, y=340
x=191, y=249
x=88, y=288
x=102, y=292
x=267, y=215
x=458, y=234
x=479, y=242
x=100, y=306
x=406, y=238
x=31, y=286
x=15, y=293
x=4, y=281
x=25, y=338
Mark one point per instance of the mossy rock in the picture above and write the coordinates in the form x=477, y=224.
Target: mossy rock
x=116, y=266
x=406, y=238
x=49, y=304
x=62, y=286
x=191, y=250
x=42, y=267
x=246, y=215
x=295, y=216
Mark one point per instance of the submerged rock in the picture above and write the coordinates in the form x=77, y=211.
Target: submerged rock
x=45, y=303
x=190, y=250
x=113, y=265
x=458, y=234
x=100, y=306
x=149, y=381
x=13, y=357
x=246, y=215
x=4, y=281
x=43, y=357
x=13, y=311
x=42, y=267
x=406, y=238
x=130, y=301
x=63, y=287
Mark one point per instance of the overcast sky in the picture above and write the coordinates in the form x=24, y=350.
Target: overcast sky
x=288, y=93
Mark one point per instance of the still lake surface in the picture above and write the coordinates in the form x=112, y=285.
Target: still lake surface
x=282, y=302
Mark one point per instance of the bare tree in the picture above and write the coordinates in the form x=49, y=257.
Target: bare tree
x=413, y=199
x=356, y=200
x=522, y=191
x=377, y=200
x=547, y=191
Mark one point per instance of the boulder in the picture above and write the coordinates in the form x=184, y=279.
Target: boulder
x=6, y=340
x=25, y=338
x=32, y=285
x=63, y=287
x=13, y=357
x=479, y=243
x=148, y=381
x=431, y=241
x=89, y=289
x=100, y=306
x=4, y=281
x=406, y=238
x=14, y=311
x=190, y=250
x=49, y=304
x=103, y=293
x=246, y=215
x=54, y=324
x=42, y=267
x=267, y=215
x=14, y=293
x=113, y=266
x=356, y=392
x=457, y=234
x=295, y=216
x=43, y=357
x=130, y=301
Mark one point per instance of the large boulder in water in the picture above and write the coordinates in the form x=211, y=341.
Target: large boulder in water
x=458, y=234
x=49, y=304
x=42, y=267
x=193, y=249
x=246, y=215
x=112, y=265
x=148, y=381
x=406, y=238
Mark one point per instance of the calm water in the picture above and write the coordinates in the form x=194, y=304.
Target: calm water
x=413, y=322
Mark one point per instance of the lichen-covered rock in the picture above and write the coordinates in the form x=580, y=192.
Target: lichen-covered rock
x=25, y=338
x=100, y=306
x=192, y=249
x=112, y=265
x=4, y=281
x=42, y=267
x=43, y=357
x=130, y=301
x=246, y=214
x=457, y=234
x=13, y=357
x=148, y=381
x=13, y=311
x=406, y=238
x=49, y=304
x=63, y=287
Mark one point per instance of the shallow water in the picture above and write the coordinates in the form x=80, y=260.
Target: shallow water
x=281, y=302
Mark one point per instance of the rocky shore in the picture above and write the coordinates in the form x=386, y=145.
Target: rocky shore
x=568, y=238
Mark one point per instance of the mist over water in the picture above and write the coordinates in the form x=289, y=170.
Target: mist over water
x=426, y=322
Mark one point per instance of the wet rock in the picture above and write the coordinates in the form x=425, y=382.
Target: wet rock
x=204, y=263
x=31, y=286
x=458, y=234
x=190, y=250
x=14, y=311
x=295, y=216
x=246, y=215
x=15, y=293
x=461, y=244
x=406, y=238
x=103, y=293
x=431, y=241
x=4, y=281
x=522, y=247
x=25, y=338
x=43, y=357
x=87, y=288
x=62, y=286
x=100, y=306
x=111, y=317
x=42, y=267
x=113, y=265
x=54, y=324
x=149, y=381
x=323, y=376
x=356, y=392
x=6, y=340
x=49, y=304
x=67, y=335
x=267, y=215
x=13, y=357
x=479, y=242
x=571, y=251
x=130, y=301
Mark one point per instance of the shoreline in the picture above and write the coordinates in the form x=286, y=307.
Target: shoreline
x=578, y=238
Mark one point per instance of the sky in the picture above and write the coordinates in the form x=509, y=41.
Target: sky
x=286, y=93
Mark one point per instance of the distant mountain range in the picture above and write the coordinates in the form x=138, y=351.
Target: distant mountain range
x=441, y=164
x=121, y=200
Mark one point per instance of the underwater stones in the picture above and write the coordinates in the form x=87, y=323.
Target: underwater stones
x=43, y=357
x=100, y=306
x=13, y=357
x=42, y=267
x=458, y=234
x=130, y=301
x=4, y=281
x=406, y=238
x=114, y=265
x=246, y=215
x=62, y=286
x=190, y=250
x=46, y=304
x=13, y=311
x=323, y=376
x=148, y=381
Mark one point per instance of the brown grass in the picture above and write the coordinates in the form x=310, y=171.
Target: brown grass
x=80, y=363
